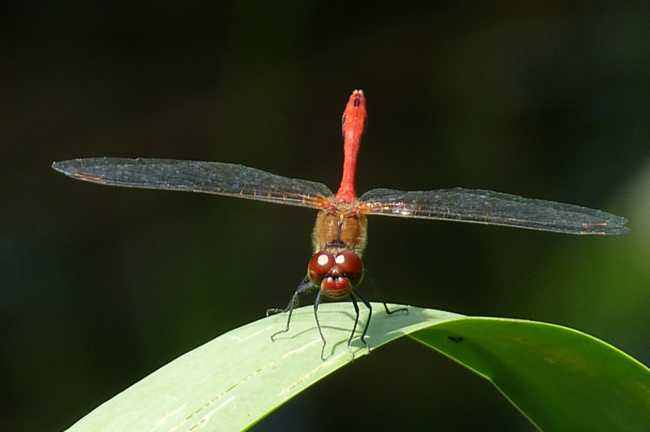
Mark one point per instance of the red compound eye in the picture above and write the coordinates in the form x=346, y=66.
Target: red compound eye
x=351, y=266
x=319, y=265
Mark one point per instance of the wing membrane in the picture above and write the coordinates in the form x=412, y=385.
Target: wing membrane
x=493, y=208
x=209, y=177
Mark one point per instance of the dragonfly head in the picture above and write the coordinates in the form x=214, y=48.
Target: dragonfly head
x=335, y=275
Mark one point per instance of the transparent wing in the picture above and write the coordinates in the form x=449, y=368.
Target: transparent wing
x=492, y=208
x=209, y=177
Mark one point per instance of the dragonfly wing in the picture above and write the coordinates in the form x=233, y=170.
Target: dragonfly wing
x=192, y=176
x=493, y=208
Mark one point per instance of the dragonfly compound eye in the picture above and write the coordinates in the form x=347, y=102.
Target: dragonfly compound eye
x=350, y=266
x=319, y=266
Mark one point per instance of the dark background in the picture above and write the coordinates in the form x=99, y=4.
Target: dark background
x=101, y=286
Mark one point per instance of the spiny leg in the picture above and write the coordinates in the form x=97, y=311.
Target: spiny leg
x=301, y=289
x=316, y=304
x=374, y=285
x=305, y=285
x=356, y=308
x=354, y=327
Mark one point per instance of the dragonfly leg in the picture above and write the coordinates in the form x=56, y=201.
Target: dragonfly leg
x=304, y=286
x=316, y=304
x=374, y=285
x=301, y=288
x=356, y=308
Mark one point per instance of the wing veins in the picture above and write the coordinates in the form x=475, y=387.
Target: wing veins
x=192, y=176
x=492, y=208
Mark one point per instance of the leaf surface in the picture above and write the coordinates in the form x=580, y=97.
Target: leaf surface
x=561, y=379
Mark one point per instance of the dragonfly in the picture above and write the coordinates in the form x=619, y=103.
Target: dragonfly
x=340, y=234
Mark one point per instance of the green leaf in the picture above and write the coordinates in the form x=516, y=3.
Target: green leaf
x=561, y=379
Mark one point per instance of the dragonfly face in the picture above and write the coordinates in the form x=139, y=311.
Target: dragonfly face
x=335, y=274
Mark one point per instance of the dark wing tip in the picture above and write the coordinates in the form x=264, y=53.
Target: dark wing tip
x=612, y=225
x=620, y=230
x=62, y=167
x=616, y=228
x=78, y=168
x=71, y=167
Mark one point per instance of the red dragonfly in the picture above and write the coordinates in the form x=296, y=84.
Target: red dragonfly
x=339, y=236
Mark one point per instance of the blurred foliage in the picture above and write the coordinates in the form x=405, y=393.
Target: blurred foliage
x=101, y=286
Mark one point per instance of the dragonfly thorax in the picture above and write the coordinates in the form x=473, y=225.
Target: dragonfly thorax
x=337, y=230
